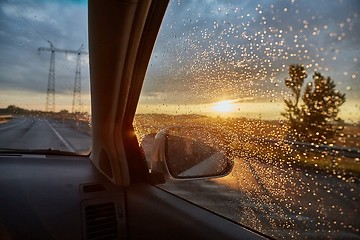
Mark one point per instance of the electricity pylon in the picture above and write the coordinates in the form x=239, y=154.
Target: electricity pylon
x=77, y=104
x=50, y=97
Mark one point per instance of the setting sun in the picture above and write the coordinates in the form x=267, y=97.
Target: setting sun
x=226, y=106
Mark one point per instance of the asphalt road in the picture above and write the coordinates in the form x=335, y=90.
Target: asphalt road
x=40, y=133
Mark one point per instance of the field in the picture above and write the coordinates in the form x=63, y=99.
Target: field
x=263, y=140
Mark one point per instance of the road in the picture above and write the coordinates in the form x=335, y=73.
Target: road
x=310, y=147
x=41, y=133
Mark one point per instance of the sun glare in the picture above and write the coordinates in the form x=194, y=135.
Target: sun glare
x=226, y=106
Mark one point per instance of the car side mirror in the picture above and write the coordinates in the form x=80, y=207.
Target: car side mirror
x=186, y=153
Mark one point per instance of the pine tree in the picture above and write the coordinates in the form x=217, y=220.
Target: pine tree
x=312, y=115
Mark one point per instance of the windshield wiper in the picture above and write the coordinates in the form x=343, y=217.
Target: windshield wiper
x=49, y=151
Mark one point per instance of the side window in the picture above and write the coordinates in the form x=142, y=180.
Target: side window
x=280, y=81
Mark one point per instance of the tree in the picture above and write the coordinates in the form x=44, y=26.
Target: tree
x=312, y=115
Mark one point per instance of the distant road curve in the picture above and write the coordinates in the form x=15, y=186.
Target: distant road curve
x=6, y=123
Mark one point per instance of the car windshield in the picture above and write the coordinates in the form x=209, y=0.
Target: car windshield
x=44, y=76
x=276, y=84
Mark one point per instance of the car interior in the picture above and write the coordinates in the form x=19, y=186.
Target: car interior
x=203, y=119
x=108, y=194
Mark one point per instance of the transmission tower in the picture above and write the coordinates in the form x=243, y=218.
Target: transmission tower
x=50, y=97
x=77, y=104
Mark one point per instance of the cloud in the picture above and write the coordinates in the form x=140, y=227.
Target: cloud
x=26, y=26
x=206, y=50
x=243, y=49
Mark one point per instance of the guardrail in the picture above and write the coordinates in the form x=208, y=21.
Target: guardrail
x=334, y=150
x=4, y=118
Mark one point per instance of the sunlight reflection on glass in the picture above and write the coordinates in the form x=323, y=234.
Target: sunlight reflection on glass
x=226, y=106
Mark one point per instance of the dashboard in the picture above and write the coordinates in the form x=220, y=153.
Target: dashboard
x=65, y=197
x=58, y=198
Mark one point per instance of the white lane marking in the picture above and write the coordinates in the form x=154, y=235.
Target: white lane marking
x=69, y=147
x=12, y=126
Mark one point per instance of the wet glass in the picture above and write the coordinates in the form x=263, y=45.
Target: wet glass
x=280, y=80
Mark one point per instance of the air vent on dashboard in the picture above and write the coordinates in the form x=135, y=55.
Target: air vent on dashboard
x=101, y=221
x=93, y=188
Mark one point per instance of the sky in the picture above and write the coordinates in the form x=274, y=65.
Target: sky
x=24, y=27
x=210, y=51
x=207, y=51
